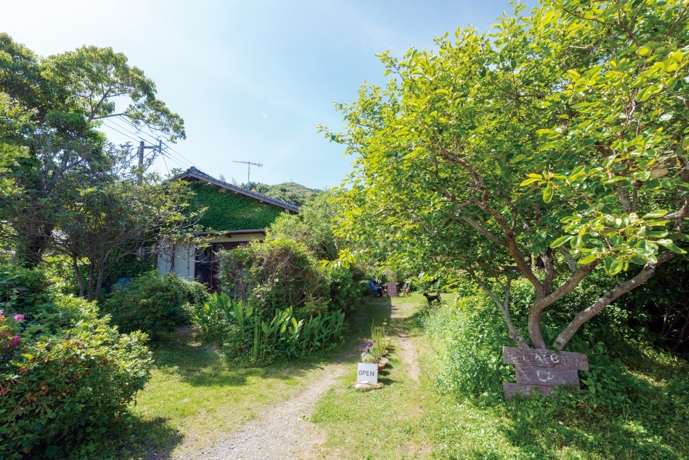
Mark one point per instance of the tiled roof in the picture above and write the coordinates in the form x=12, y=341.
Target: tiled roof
x=193, y=173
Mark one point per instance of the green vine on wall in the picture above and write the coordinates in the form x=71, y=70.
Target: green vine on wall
x=227, y=210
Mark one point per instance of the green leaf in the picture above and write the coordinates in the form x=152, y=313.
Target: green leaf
x=655, y=214
x=528, y=181
x=675, y=248
x=560, y=241
x=548, y=194
x=643, y=51
x=588, y=259
x=616, y=267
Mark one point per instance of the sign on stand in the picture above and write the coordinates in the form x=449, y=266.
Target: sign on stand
x=542, y=370
x=368, y=373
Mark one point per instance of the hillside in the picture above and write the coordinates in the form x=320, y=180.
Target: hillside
x=291, y=192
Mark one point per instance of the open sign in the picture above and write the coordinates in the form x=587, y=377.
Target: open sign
x=367, y=372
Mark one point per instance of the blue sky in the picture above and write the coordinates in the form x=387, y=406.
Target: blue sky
x=251, y=79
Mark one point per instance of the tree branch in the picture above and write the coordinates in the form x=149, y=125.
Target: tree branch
x=504, y=308
x=536, y=311
x=570, y=260
x=606, y=299
x=483, y=231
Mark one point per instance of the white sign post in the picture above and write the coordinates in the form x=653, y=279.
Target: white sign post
x=368, y=372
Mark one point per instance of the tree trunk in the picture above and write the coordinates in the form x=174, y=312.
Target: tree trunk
x=543, y=301
x=77, y=273
x=534, y=326
x=606, y=299
x=99, y=283
x=91, y=270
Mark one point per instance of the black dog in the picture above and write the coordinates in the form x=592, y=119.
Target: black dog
x=431, y=298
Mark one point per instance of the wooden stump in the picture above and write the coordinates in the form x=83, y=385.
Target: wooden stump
x=542, y=370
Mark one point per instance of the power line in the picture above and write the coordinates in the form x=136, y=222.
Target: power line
x=175, y=161
x=129, y=134
x=126, y=135
x=179, y=155
x=138, y=130
x=168, y=169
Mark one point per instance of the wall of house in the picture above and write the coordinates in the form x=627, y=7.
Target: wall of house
x=178, y=259
x=181, y=259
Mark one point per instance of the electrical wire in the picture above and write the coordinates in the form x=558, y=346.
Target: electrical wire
x=138, y=130
x=182, y=157
x=117, y=130
x=179, y=154
x=179, y=161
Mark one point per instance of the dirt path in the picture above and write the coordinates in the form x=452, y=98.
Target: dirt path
x=283, y=431
x=405, y=350
x=408, y=356
x=280, y=431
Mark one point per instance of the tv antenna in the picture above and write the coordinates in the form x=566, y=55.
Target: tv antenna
x=248, y=172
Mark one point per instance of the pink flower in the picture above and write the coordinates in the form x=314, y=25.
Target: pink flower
x=15, y=340
x=19, y=318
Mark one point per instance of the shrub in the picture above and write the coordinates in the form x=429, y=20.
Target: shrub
x=280, y=273
x=24, y=290
x=470, y=341
x=153, y=303
x=250, y=336
x=69, y=375
x=274, y=275
x=345, y=292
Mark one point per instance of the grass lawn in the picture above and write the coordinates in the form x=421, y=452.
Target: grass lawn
x=194, y=397
x=410, y=419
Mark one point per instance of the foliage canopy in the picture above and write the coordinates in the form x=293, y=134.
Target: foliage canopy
x=557, y=140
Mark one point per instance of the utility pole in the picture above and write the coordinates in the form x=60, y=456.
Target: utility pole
x=248, y=173
x=143, y=147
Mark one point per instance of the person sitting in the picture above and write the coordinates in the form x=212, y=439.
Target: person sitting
x=376, y=290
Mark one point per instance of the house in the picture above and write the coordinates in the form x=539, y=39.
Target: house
x=234, y=217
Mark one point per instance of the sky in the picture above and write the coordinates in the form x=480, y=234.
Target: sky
x=252, y=79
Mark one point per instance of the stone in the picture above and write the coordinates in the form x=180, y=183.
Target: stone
x=363, y=387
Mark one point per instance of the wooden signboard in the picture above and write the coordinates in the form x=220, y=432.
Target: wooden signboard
x=545, y=358
x=542, y=370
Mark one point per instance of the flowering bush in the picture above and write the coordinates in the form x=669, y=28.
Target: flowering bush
x=65, y=373
x=9, y=335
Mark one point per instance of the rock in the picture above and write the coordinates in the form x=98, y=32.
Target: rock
x=363, y=387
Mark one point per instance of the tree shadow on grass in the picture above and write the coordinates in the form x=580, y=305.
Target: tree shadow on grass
x=132, y=437
x=540, y=430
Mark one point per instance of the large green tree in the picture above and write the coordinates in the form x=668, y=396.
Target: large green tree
x=67, y=96
x=556, y=140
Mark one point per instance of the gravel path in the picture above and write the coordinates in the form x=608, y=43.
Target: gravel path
x=281, y=432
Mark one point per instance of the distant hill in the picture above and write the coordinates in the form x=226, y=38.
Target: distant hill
x=290, y=192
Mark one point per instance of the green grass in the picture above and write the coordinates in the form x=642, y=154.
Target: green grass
x=194, y=397
x=407, y=419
